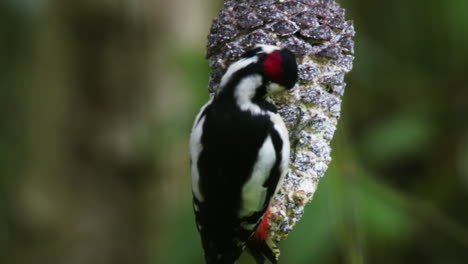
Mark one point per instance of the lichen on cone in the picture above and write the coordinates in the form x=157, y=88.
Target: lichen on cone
x=317, y=32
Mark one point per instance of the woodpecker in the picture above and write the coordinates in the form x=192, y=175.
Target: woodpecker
x=239, y=149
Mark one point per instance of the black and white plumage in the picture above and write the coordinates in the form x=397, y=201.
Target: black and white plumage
x=239, y=151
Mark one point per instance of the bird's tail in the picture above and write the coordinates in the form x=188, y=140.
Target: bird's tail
x=260, y=246
x=264, y=249
x=213, y=254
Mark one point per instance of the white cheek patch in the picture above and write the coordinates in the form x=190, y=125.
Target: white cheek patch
x=274, y=88
x=245, y=91
x=253, y=192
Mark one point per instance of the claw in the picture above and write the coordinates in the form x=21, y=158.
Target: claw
x=273, y=248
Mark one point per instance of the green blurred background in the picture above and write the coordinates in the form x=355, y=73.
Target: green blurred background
x=98, y=97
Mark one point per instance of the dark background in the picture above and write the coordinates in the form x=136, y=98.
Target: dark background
x=97, y=101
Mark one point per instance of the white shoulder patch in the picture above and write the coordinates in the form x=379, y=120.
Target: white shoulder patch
x=195, y=150
x=234, y=68
x=280, y=127
x=253, y=192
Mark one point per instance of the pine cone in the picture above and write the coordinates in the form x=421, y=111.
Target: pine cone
x=317, y=32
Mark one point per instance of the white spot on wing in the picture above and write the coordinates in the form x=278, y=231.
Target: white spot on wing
x=253, y=192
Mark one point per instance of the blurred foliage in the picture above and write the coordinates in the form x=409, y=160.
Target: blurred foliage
x=396, y=190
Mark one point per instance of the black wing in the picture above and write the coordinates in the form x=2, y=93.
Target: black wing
x=231, y=142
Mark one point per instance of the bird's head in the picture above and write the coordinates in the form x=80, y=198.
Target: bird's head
x=278, y=66
x=263, y=70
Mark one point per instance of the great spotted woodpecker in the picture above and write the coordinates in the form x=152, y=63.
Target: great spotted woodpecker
x=239, y=151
